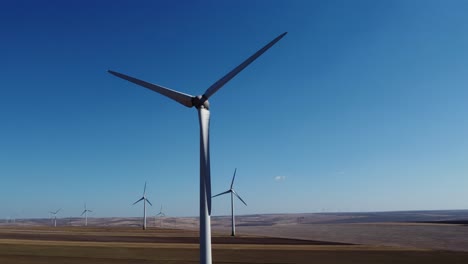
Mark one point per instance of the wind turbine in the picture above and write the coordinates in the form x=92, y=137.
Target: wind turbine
x=233, y=192
x=85, y=212
x=144, y=199
x=202, y=105
x=55, y=216
x=160, y=214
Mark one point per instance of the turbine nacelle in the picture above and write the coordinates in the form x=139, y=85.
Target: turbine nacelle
x=201, y=101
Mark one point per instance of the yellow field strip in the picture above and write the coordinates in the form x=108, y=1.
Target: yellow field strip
x=215, y=246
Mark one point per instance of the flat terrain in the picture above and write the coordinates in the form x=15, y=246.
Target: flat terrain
x=438, y=230
x=28, y=244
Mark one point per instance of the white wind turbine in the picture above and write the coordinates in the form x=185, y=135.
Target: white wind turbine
x=233, y=192
x=202, y=105
x=160, y=214
x=85, y=212
x=144, y=199
x=55, y=216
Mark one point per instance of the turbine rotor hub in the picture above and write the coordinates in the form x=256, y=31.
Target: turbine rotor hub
x=201, y=102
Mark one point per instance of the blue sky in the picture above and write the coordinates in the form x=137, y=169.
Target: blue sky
x=361, y=107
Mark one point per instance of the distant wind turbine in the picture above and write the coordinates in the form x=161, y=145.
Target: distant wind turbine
x=160, y=214
x=144, y=199
x=85, y=212
x=55, y=216
x=202, y=105
x=233, y=192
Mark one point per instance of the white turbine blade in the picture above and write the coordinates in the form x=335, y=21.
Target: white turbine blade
x=90, y=211
x=148, y=201
x=228, y=191
x=138, y=200
x=83, y=213
x=58, y=210
x=233, y=177
x=217, y=85
x=144, y=190
x=179, y=97
x=234, y=192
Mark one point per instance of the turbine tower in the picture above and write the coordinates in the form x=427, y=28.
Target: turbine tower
x=144, y=199
x=233, y=192
x=202, y=105
x=85, y=212
x=55, y=216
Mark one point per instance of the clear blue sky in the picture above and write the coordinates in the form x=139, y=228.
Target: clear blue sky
x=361, y=107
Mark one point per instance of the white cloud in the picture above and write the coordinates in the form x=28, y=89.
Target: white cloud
x=280, y=178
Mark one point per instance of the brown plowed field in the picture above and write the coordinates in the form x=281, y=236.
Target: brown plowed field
x=126, y=245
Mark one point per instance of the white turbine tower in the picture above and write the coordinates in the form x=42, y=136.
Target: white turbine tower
x=144, y=199
x=233, y=192
x=85, y=212
x=55, y=216
x=202, y=105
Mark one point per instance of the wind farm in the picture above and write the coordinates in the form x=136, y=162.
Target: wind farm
x=339, y=136
x=292, y=237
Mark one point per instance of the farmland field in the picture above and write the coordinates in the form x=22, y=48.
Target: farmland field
x=130, y=245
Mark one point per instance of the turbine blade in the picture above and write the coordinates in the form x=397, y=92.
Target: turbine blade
x=217, y=85
x=233, y=177
x=179, y=97
x=83, y=213
x=228, y=191
x=234, y=192
x=148, y=201
x=90, y=211
x=138, y=200
x=58, y=210
x=144, y=190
